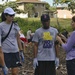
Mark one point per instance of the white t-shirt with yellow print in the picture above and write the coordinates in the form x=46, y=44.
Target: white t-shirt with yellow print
x=45, y=39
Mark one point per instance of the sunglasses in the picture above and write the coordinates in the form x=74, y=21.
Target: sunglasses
x=11, y=15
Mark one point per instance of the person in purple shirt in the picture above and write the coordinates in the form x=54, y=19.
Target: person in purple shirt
x=69, y=48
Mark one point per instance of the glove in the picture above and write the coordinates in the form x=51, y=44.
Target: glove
x=5, y=70
x=19, y=63
x=35, y=63
x=22, y=56
x=57, y=62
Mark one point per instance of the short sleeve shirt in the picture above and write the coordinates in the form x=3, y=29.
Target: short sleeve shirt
x=10, y=43
x=45, y=39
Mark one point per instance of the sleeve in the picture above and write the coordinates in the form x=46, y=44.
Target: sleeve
x=70, y=43
x=16, y=26
x=35, y=37
x=56, y=32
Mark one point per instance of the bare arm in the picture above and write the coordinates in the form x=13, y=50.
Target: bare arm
x=19, y=42
x=57, y=48
x=35, y=49
x=2, y=57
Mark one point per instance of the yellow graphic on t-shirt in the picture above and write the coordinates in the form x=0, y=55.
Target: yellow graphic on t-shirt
x=47, y=36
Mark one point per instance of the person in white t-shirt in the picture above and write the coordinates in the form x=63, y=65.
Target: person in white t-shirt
x=12, y=44
x=45, y=56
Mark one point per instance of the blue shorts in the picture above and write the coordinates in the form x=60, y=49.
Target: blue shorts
x=12, y=60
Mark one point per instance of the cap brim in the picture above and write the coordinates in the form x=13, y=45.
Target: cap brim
x=12, y=13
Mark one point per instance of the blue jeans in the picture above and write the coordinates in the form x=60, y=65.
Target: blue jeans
x=70, y=64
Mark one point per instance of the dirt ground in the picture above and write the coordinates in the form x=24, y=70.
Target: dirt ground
x=27, y=68
x=62, y=68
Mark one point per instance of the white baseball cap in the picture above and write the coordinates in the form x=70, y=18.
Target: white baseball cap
x=9, y=11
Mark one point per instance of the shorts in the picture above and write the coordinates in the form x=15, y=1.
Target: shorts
x=45, y=68
x=24, y=40
x=12, y=60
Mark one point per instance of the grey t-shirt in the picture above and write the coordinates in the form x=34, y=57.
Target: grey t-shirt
x=10, y=43
x=45, y=39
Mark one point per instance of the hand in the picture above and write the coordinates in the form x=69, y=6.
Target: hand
x=64, y=39
x=5, y=70
x=21, y=55
x=60, y=40
x=35, y=63
x=57, y=62
x=61, y=37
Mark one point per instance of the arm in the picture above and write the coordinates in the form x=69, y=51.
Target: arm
x=1, y=53
x=57, y=54
x=2, y=62
x=64, y=39
x=60, y=40
x=70, y=42
x=19, y=42
x=35, y=49
x=20, y=48
x=57, y=48
x=2, y=57
x=35, y=61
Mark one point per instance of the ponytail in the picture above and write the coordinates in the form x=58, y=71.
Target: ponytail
x=3, y=17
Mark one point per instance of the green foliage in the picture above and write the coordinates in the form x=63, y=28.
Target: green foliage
x=47, y=6
x=71, y=6
x=13, y=5
x=70, y=3
x=34, y=23
x=61, y=1
x=63, y=24
x=1, y=8
x=29, y=8
x=52, y=8
x=28, y=23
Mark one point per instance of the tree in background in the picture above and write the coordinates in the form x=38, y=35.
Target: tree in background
x=12, y=4
x=55, y=3
x=70, y=3
x=1, y=8
x=29, y=8
x=47, y=6
x=71, y=6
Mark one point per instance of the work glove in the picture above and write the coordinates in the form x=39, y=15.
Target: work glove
x=35, y=63
x=57, y=62
x=18, y=63
x=21, y=56
x=5, y=70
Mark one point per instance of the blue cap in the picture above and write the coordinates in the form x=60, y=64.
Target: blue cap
x=45, y=17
